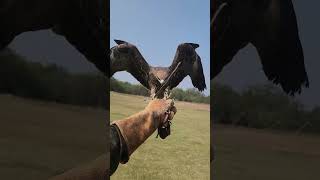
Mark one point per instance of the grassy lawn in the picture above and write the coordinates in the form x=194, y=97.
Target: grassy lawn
x=243, y=154
x=183, y=155
x=39, y=139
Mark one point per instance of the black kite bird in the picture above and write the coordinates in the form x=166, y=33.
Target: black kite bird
x=271, y=27
x=126, y=57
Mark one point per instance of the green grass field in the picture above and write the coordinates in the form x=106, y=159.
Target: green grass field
x=183, y=155
x=243, y=154
x=39, y=139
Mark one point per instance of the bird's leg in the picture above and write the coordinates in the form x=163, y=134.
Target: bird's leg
x=167, y=93
x=153, y=93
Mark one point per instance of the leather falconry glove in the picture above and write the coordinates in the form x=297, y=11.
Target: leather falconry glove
x=138, y=127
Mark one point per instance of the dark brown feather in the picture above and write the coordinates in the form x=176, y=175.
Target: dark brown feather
x=190, y=64
x=271, y=26
x=197, y=76
x=281, y=53
x=131, y=61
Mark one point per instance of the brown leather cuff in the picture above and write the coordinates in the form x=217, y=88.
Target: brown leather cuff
x=124, y=155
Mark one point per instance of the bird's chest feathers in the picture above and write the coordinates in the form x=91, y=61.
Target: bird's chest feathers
x=161, y=75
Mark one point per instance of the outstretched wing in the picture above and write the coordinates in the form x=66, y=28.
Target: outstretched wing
x=126, y=57
x=86, y=30
x=197, y=76
x=273, y=31
x=280, y=49
x=186, y=62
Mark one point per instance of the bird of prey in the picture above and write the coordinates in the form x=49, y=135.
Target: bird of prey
x=271, y=27
x=159, y=80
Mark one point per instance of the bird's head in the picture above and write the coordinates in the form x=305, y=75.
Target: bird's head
x=121, y=52
x=187, y=55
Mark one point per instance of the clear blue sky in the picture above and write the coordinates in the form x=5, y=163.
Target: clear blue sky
x=156, y=27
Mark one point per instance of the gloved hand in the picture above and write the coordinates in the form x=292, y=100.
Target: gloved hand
x=161, y=110
x=138, y=127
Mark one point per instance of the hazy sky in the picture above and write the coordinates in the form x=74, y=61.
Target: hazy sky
x=47, y=47
x=158, y=27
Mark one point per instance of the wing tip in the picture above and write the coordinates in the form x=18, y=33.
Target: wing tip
x=202, y=86
x=118, y=41
x=292, y=89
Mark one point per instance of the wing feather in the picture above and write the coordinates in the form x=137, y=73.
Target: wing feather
x=197, y=76
x=281, y=51
x=87, y=32
x=126, y=57
x=189, y=63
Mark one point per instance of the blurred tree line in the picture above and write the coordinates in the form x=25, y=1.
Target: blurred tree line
x=189, y=95
x=50, y=82
x=262, y=106
x=53, y=83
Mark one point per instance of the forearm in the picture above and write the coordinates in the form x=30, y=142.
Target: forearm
x=137, y=128
x=128, y=134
